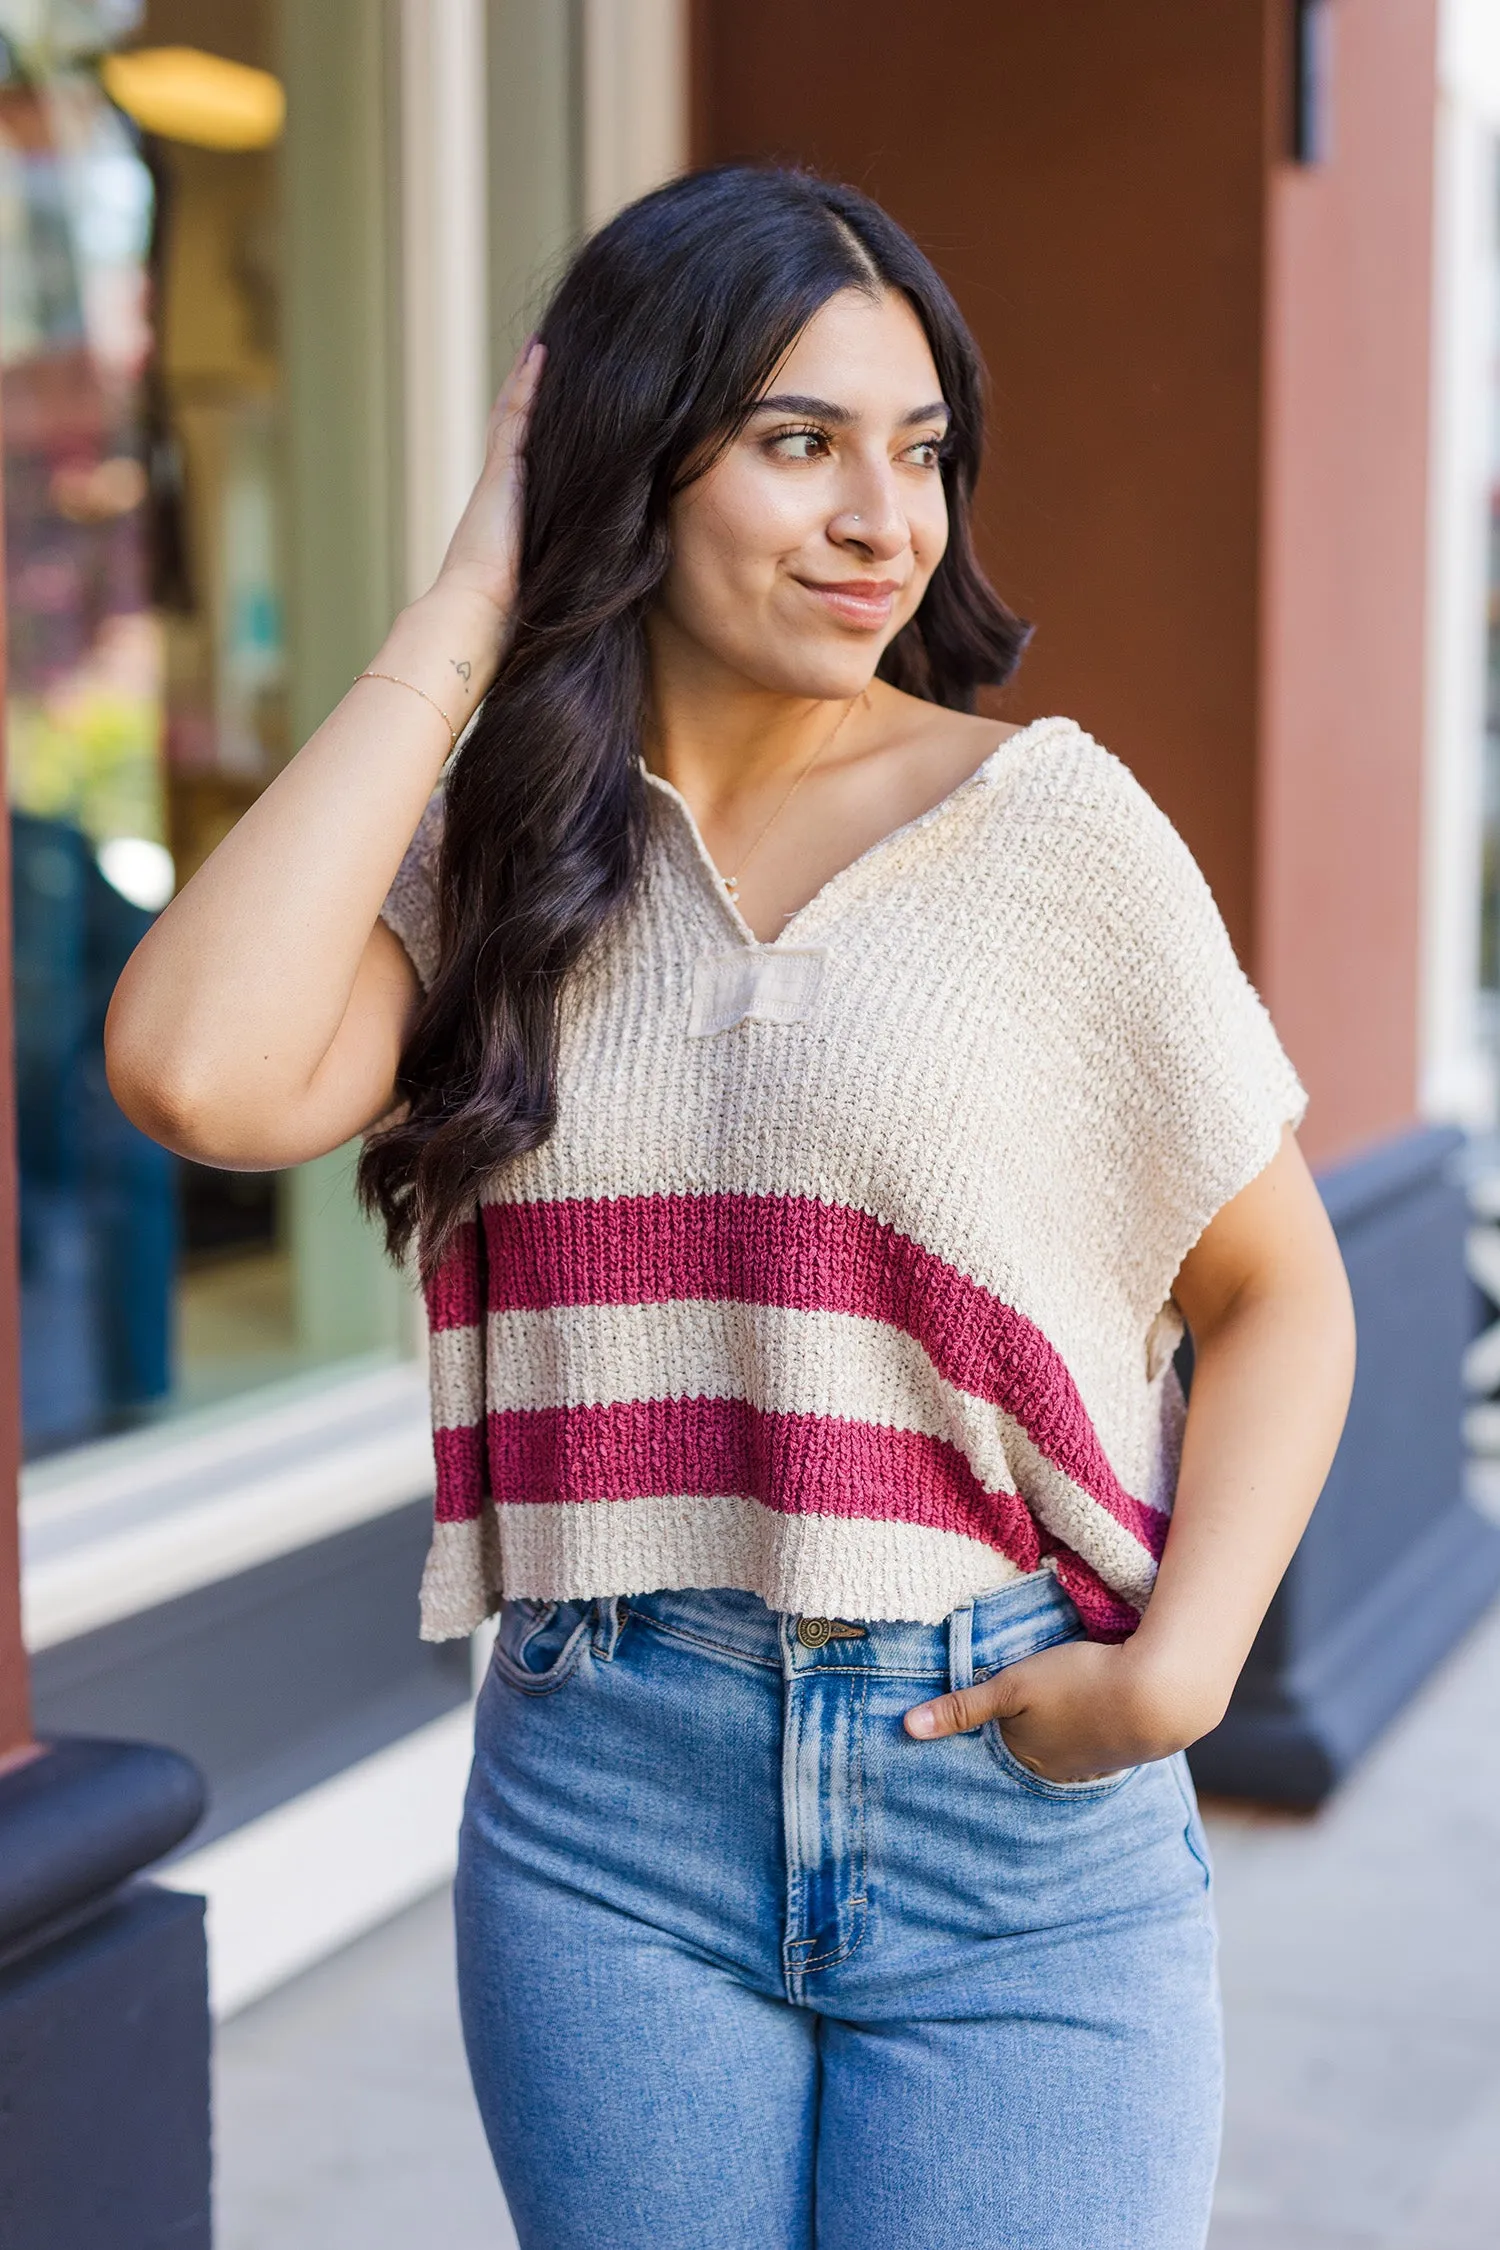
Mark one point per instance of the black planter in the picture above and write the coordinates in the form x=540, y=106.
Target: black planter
x=104, y=2032
x=1395, y=1565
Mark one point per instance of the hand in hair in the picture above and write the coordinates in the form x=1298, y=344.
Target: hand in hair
x=484, y=552
x=262, y=1018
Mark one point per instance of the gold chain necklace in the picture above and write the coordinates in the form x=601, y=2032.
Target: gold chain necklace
x=731, y=883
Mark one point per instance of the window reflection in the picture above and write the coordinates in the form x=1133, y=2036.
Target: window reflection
x=147, y=675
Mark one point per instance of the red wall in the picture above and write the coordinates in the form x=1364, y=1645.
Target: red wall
x=1208, y=456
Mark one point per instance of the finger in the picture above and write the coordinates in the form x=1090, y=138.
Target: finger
x=518, y=390
x=520, y=366
x=528, y=369
x=959, y=1712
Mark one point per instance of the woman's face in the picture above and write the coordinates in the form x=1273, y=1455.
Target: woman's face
x=799, y=556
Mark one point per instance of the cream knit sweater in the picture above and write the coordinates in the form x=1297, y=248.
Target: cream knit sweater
x=844, y=1278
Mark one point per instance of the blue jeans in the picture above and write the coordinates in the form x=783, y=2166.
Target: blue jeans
x=744, y=1967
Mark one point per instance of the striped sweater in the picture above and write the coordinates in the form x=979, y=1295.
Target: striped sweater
x=845, y=1276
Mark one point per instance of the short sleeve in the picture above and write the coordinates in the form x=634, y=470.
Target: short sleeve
x=411, y=904
x=1197, y=1088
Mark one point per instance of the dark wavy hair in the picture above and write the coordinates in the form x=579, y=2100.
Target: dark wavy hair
x=663, y=332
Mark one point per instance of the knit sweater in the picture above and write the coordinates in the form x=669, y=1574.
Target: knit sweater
x=844, y=1277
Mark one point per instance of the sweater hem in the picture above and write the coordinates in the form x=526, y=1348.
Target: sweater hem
x=823, y=1566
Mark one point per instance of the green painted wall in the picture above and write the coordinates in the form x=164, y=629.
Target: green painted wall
x=342, y=357
x=341, y=221
x=534, y=161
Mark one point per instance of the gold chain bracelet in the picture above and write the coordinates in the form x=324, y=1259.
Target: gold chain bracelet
x=413, y=689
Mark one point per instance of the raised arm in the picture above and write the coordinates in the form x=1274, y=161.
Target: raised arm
x=261, y=1018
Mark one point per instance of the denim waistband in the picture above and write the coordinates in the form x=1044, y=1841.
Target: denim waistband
x=994, y=1630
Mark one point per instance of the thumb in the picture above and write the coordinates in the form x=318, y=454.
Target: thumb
x=965, y=1708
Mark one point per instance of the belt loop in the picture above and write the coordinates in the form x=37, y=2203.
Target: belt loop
x=961, y=1648
x=609, y=1616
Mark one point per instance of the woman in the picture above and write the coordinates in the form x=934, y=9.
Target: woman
x=818, y=1108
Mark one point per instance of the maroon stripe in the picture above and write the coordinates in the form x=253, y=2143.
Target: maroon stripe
x=455, y=1294
x=798, y=1464
x=796, y=1252
x=463, y=1474
x=1106, y=1616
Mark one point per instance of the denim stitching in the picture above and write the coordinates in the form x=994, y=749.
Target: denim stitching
x=858, y=1899
x=1039, y=1785
x=1064, y=1632
x=796, y=1881
x=560, y=1670
x=1193, y=1817
x=773, y=1664
x=699, y=1640
x=876, y=1671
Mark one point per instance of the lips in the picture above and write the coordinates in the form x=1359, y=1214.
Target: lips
x=856, y=601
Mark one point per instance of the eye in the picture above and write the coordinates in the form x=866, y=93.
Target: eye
x=927, y=453
x=799, y=445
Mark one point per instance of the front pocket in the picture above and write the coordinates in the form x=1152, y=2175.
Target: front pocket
x=539, y=1643
x=1039, y=1785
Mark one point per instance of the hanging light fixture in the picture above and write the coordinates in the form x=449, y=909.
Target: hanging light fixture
x=185, y=94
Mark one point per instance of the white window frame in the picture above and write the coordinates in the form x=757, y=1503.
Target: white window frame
x=1457, y=1058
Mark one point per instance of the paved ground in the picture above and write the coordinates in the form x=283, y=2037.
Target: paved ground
x=1362, y=1982
x=1362, y=1974
x=343, y=2115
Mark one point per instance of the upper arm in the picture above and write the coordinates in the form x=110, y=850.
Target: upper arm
x=352, y=1088
x=355, y=1084
x=1273, y=1236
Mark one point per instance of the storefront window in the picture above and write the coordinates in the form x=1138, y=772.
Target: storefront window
x=142, y=225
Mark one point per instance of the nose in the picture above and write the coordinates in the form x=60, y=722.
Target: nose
x=871, y=520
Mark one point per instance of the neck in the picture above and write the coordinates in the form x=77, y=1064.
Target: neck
x=714, y=735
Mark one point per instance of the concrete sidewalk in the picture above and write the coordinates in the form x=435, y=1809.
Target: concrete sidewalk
x=1362, y=1981
x=1362, y=1992
x=342, y=2113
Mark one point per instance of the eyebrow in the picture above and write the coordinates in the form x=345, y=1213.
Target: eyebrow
x=824, y=410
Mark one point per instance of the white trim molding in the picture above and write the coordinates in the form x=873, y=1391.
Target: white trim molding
x=290, y=1888
x=1457, y=1067
x=635, y=104
x=120, y=1527
x=445, y=266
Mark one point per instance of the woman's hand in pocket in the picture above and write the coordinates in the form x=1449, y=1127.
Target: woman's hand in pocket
x=1076, y=1712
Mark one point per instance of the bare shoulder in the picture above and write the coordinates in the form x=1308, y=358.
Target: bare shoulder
x=946, y=745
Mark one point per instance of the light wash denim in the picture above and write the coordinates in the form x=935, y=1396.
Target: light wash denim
x=744, y=1967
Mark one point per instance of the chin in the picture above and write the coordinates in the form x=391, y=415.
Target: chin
x=830, y=674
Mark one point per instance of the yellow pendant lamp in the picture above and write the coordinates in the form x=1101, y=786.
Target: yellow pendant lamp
x=184, y=94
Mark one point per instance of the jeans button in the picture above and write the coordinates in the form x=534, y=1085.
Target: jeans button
x=814, y=1632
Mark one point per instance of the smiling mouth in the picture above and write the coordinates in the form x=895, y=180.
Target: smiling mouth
x=858, y=601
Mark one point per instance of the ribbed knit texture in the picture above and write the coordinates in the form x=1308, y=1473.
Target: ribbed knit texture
x=844, y=1278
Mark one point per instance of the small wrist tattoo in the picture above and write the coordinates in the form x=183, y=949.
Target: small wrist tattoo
x=463, y=669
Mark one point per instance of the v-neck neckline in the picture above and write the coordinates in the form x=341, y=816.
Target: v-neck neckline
x=709, y=870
